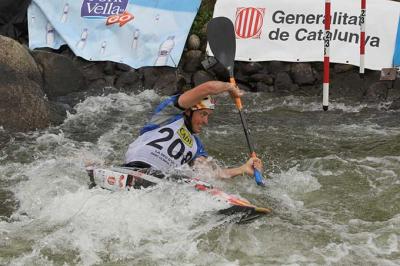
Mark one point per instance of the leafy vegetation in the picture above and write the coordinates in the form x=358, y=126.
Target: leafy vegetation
x=203, y=16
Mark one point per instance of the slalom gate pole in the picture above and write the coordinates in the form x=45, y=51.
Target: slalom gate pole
x=362, y=36
x=327, y=38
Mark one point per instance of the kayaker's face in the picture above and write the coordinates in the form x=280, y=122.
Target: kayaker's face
x=199, y=119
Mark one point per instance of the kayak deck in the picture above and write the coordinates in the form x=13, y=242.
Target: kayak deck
x=122, y=178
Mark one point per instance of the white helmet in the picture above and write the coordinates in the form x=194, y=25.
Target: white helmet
x=206, y=103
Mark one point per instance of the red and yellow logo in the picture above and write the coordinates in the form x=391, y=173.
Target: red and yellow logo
x=122, y=19
x=185, y=136
x=249, y=22
x=111, y=180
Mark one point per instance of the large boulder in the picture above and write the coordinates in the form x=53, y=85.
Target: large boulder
x=302, y=74
x=284, y=83
x=94, y=74
x=192, y=60
x=161, y=79
x=347, y=85
x=262, y=77
x=341, y=68
x=23, y=105
x=219, y=71
x=395, y=105
x=200, y=77
x=275, y=67
x=394, y=90
x=129, y=80
x=249, y=68
x=194, y=42
x=61, y=75
x=377, y=91
x=18, y=59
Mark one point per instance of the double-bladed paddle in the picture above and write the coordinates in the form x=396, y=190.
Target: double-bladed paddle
x=222, y=41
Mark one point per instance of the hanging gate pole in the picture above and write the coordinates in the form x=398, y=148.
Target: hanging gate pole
x=327, y=38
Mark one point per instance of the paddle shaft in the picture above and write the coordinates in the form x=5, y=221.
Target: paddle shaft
x=238, y=102
x=239, y=107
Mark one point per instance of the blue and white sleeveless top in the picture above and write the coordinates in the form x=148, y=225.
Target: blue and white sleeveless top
x=165, y=142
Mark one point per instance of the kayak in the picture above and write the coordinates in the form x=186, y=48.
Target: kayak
x=124, y=178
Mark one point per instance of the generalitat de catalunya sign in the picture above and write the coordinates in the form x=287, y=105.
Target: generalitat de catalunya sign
x=293, y=31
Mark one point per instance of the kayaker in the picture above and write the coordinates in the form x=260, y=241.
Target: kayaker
x=170, y=138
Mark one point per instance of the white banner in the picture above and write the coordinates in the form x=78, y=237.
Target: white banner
x=289, y=30
x=134, y=32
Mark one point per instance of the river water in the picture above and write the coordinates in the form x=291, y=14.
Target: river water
x=334, y=187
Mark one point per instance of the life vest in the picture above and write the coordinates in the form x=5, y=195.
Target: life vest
x=164, y=148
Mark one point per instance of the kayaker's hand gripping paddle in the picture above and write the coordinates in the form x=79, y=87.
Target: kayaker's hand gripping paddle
x=222, y=41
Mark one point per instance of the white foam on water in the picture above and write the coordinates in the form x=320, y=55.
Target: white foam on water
x=357, y=242
x=58, y=217
x=333, y=106
x=309, y=104
x=289, y=186
x=59, y=221
x=107, y=143
x=62, y=216
x=33, y=258
x=333, y=252
x=64, y=219
x=48, y=139
x=295, y=259
x=366, y=129
x=370, y=248
x=382, y=172
x=386, y=246
x=326, y=166
x=298, y=182
x=361, y=242
x=386, y=160
x=358, y=132
x=214, y=131
x=95, y=107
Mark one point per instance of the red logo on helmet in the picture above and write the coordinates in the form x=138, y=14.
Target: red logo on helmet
x=249, y=21
x=111, y=180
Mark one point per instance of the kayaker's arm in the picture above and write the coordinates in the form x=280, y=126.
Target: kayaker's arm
x=247, y=168
x=195, y=95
